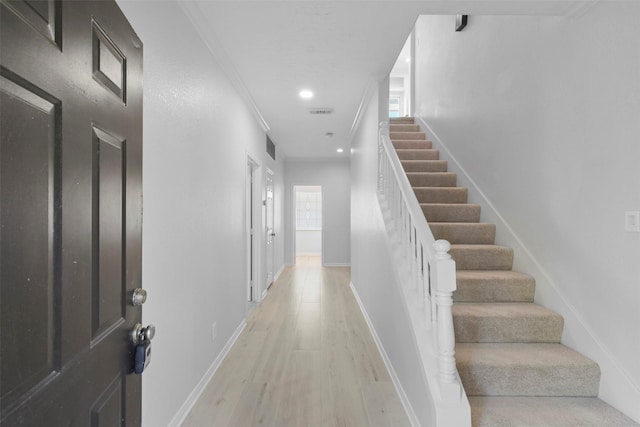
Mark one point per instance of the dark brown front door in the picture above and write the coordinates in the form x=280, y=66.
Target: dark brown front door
x=70, y=213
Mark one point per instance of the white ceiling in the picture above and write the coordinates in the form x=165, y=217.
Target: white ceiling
x=338, y=49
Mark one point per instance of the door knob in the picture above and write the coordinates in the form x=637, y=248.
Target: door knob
x=139, y=334
x=138, y=297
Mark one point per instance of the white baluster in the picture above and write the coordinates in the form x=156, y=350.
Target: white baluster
x=381, y=156
x=387, y=183
x=403, y=234
x=405, y=239
x=445, y=272
x=425, y=286
x=412, y=260
x=419, y=282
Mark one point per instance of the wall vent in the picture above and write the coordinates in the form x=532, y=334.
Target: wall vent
x=325, y=110
x=271, y=148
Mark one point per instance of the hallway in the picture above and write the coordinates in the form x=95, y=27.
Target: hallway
x=305, y=358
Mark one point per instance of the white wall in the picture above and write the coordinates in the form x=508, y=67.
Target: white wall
x=308, y=242
x=544, y=115
x=197, y=134
x=334, y=176
x=372, y=271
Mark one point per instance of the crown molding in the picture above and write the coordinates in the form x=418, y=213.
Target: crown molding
x=194, y=14
x=578, y=9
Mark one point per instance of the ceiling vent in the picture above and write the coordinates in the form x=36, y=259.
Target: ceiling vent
x=325, y=110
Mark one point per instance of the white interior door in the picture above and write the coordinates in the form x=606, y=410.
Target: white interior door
x=252, y=200
x=269, y=228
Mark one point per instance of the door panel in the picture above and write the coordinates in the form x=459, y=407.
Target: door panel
x=108, y=179
x=43, y=15
x=27, y=239
x=270, y=222
x=70, y=213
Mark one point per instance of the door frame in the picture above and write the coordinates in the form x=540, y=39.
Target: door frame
x=293, y=225
x=253, y=203
x=265, y=226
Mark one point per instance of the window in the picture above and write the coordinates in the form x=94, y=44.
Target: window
x=394, y=106
x=308, y=210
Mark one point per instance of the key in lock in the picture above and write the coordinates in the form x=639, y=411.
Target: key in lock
x=141, y=338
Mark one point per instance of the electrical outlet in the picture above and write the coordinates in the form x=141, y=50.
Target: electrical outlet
x=214, y=331
x=632, y=221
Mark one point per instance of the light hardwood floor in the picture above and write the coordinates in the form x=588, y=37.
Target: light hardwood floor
x=306, y=358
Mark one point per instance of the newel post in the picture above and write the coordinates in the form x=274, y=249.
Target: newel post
x=384, y=128
x=445, y=285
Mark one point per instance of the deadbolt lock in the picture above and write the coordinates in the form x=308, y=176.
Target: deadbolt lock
x=138, y=297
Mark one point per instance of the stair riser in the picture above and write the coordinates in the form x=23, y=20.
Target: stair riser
x=412, y=144
x=579, y=381
x=401, y=120
x=495, y=258
x=424, y=165
x=407, y=154
x=404, y=127
x=432, y=179
x=461, y=233
x=451, y=213
x=407, y=135
x=441, y=195
x=547, y=329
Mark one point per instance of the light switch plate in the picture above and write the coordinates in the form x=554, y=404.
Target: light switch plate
x=632, y=221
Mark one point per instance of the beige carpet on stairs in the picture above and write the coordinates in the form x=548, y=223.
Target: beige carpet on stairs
x=508, y=352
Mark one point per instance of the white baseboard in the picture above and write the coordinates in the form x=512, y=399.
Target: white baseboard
x=184, y=410
x=617, y=386
x=266, y=291
x=279, y=272
x=336, y=264
x=392, y=373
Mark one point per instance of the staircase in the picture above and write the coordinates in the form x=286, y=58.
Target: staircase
x=508, y=352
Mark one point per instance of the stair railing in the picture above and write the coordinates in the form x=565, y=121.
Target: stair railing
x=427, y=267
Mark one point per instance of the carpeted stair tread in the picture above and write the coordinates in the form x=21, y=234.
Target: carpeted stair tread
x=506, y=322
x=406, y=135
x=520, y=411
x=424, y=165
x=482, y=257
x=451, y=212
x=415, y=144
x=393, y=120
x=441, y=195
x=404, y=127
x=415, y=154
x=516, y=369
x=432, y=179
x=476, y=233
x=493, y=286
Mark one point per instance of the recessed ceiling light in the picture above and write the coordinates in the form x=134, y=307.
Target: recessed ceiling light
x=339, y=150
x=306, y=94
x=408, y=60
